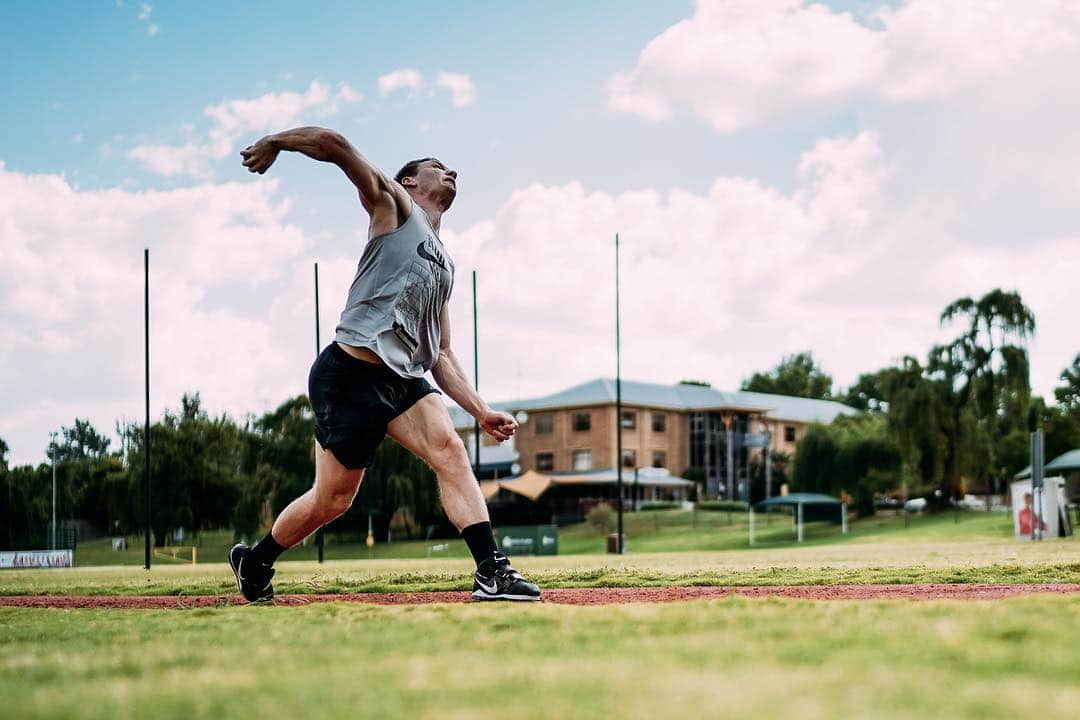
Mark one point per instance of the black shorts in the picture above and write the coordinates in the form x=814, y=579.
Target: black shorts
x=354, y=401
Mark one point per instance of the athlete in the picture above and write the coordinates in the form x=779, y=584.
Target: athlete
x=370, y=381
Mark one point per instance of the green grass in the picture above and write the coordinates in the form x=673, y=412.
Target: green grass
x=978, y=549
x=650, y=531
x=732, y=657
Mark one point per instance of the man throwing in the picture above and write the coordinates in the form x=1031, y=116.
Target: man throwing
x=370, y=380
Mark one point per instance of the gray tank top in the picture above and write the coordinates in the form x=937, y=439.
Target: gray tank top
x=402, y=282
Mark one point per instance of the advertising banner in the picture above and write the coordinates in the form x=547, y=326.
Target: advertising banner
x=37, y=559
x=1026, y=517
x=529, y=539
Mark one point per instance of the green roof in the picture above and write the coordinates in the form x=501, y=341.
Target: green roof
x=1066, y=462
x=800, y=499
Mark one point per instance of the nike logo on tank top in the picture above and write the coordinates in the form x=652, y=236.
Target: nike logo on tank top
x=402, y=282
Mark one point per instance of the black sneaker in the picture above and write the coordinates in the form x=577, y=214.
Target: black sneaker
x=496, y=580
x=252, y=577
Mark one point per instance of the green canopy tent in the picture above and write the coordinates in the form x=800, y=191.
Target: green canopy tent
x=1067, y=462
x=798, y=501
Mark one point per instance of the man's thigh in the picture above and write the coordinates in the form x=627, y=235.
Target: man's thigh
x=423, y=429
x=333, y=478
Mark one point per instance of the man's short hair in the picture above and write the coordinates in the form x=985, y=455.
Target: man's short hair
x=411, y=168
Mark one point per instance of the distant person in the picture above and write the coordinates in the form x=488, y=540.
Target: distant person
x=1025, y=517
x=370, y=381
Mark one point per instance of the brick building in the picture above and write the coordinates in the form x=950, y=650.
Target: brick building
x=664, y=426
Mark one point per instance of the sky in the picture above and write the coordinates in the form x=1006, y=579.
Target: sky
x=784, y=176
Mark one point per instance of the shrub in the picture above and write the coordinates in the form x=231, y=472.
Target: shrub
x=722, y=506
x=660, y=505
x=602, y=517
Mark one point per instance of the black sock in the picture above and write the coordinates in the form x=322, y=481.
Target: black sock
x=481, y=542
x=267, y=550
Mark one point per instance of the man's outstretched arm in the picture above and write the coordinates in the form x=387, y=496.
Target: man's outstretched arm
x=451, y=377
x=376, y=190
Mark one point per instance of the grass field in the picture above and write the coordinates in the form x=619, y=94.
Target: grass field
x=978, y=549
x=651, y=531
x=728, y=658
x=717, y=658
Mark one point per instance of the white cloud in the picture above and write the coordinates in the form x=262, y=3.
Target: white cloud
x=71, y=302
x=232, y=120
x=401, y=79
x=145, y=11
x=735, y=64
x=716, y=285
x=460, y=86
x=721, y=284
x=462, y=90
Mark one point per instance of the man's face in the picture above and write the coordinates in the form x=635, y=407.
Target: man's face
x=434, y=178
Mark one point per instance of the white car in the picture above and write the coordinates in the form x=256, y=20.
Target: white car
x=915, y=505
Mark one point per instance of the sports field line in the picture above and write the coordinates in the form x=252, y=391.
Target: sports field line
x=569, y=596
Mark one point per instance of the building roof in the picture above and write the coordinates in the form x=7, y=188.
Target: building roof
x=601, y=391
x=533, y=484
x=800, y=498
x=1066, y=462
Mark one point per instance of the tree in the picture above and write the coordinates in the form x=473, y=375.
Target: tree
x=795, y=375
x=870, y=392
x=195, y=470
x=83, y=464
x=283, y=440
x=853, y=455
x=1068, y=393
x=986, y=375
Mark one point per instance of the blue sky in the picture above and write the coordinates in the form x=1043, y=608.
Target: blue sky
x=782, y=173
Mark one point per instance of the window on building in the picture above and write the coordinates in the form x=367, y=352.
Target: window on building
x=789, y=433
x=545, y=461
x=659, y=459
x=545, y=424
x=582, y=421
x=659, y=422
x=583, y=460
x=629, y=420
x=629, y=458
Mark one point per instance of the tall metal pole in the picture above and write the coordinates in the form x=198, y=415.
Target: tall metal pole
x=476, y=374
x=768, y=462
x=1037, y=450
x=146, y=435
x=52, y=526
x=319, y=541
x=618, y=402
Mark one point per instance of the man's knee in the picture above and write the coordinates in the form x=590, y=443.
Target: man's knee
x=449, y=454
x=334, y=505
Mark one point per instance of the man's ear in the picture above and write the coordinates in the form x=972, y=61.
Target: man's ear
x=409, y=181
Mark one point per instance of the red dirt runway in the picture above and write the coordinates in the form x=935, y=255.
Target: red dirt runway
x=567, y=596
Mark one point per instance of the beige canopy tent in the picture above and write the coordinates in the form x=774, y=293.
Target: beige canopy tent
x=533, y=484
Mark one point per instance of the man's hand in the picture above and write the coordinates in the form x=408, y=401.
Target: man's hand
x=259, y=157
x=498, y=425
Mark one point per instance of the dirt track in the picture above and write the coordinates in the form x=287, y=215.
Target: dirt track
x=567, y=596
